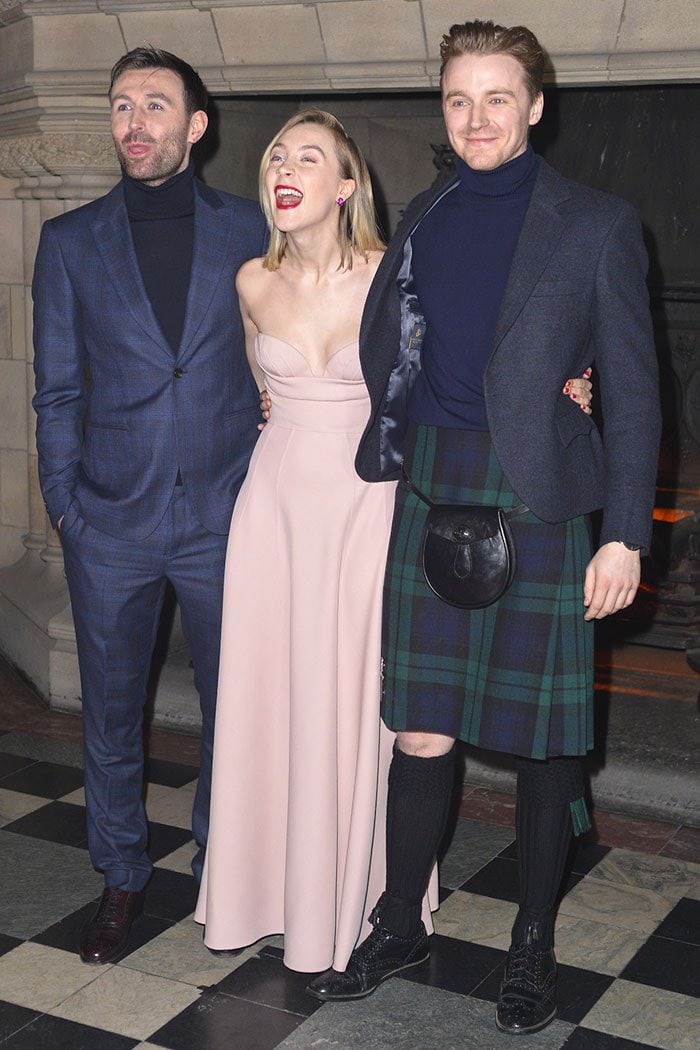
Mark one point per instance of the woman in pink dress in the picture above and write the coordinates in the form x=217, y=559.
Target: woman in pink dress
x=296, y=840
x=301, y=757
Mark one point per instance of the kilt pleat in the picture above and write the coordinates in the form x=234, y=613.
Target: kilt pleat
x=516, y=676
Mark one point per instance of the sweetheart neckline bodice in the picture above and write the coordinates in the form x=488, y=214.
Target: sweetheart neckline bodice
x=316, y=375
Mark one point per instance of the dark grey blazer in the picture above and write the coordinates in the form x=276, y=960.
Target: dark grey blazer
x=576, y=296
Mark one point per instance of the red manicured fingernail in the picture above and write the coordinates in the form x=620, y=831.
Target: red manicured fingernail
x=575, y=397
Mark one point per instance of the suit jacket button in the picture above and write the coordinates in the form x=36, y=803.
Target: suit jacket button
x=178, y=373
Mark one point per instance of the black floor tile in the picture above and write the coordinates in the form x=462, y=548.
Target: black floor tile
x=171, y=774
x=66, y=933
x=663, y=963
x=56, y=822
x=499, y=879
x=577, y=990
x=8, y=943
x=47, y=779
x=267, y=981
x=220, y=1022
x=164, y=839
x=65, y=823
x=11, y=763
x=57, y=1034
x=13, y=1018
x=587, y=1039
x=170, y=895
x=457, y=966
x=683, y=923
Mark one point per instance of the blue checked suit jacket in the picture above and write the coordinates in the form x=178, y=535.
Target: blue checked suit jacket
x=117, y=412
x=576, y=296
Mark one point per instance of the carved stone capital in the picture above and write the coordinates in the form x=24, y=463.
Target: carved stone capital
x=10, y=11
x=78, y=165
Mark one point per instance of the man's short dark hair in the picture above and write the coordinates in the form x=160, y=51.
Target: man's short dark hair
x=154, y=58
x=486, y=38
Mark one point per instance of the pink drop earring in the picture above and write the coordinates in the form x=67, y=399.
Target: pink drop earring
x=340, y=202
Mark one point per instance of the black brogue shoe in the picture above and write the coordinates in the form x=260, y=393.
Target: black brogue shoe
x=527, y=999
x=382, y=955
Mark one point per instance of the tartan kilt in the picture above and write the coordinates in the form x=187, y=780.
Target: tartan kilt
x=516, y=676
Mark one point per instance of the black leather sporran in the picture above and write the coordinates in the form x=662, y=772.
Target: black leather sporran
x=467, y=551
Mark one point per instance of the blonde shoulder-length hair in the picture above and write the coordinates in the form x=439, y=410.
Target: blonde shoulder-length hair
x=357, y=226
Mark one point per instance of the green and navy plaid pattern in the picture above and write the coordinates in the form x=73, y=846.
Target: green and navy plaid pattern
x=514, y=677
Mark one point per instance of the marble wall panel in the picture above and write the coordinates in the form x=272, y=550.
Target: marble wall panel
x=648, y=25
x=185, y=32
x=13, y=395
x=76, y=42
x=5, y=322
x=17, y=328
x=13, y=488
x=269, y=35
x=562, y=27
x=16, y=49
x=11, y=270
x=373, y=30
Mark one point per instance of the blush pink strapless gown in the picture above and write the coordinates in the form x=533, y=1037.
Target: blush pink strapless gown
x=296, y=841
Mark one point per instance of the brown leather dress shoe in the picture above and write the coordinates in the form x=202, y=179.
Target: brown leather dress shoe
x=103, y=939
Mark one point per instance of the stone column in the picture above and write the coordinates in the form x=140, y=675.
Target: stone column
x=52, y=173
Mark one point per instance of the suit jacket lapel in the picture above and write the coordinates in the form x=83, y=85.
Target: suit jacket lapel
x=392, y=261
x=213, y=231
x=541, y=232
x=116, y=248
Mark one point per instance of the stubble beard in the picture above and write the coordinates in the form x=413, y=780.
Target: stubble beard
x=165, y=159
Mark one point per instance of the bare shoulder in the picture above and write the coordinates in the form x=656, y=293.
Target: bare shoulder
x=250, y=275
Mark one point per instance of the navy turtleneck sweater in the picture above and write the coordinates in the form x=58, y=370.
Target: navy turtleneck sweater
x=462, y=254
x=162, y=228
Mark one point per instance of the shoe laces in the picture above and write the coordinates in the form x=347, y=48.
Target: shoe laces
x=525, y=966
x=110, y=909
x=371, y=945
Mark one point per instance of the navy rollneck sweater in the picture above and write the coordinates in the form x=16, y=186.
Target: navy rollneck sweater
x=462, y=254
x=162, y=229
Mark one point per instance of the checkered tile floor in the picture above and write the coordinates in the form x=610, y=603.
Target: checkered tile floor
x=628, y=936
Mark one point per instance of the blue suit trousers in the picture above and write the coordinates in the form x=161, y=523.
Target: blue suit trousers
x=116, y=588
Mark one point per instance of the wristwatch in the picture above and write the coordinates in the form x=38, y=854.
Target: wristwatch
x=630, y=546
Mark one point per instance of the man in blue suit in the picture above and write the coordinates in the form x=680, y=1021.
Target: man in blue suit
x=496, y=287
x=147, y=416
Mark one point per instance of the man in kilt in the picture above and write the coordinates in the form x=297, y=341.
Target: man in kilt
x=497, y=286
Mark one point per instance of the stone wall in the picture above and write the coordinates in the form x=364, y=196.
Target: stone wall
x=56, y=152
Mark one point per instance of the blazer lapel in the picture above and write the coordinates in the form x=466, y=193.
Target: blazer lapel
x=116, y=247
x=213, y=231
x=391, y=263
x=543, y=227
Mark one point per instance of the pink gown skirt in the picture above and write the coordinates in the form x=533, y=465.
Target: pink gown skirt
x=301, y=757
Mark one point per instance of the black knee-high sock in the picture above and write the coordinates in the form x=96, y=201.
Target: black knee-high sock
x=420, y=791
x=543, y=821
